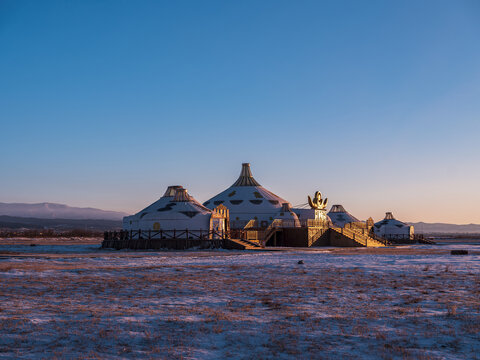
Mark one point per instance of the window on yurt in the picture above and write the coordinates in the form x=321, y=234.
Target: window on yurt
x=257, y=195
x=190, y=214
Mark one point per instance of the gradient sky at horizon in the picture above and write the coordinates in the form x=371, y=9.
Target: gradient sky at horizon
x=374, y=103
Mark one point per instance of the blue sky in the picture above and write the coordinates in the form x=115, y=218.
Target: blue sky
x=374, y=103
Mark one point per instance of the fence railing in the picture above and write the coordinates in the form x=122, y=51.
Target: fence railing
x=360, y=235
x=403, y=237
x=313, y=222
x=165, y=234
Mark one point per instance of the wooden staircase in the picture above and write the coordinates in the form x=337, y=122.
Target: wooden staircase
x=359, y=237
x=271, y=229
x=247, y=245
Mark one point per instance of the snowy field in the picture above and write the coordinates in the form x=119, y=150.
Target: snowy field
x=77, y=301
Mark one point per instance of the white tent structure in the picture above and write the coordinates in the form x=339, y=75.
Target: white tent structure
x=247, y=199
x=341, y=217
x=393, y=229
x=175, y=210
x=288, y=217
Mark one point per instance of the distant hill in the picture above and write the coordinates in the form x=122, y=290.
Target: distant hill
x=14, y=223
x=442, y=228
x=57, y=211
x=59, y=216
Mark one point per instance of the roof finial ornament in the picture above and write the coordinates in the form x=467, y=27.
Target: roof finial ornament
x=317, y=203
x=389, y=216
x=246, y=178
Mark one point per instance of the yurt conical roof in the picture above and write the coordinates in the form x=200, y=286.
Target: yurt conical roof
x=165, y=199
x=340, y=217
x=247, y=199
x=391, y=228
x=286, y=214
x=389, y=220
x=175, y=210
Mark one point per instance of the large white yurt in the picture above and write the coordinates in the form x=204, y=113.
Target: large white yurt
x=391, y=228
x=247, y=199
x=341, y=217
x=175, y=210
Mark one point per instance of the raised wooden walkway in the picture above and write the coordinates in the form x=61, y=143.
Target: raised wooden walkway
x=175, y=240
x=190, y=239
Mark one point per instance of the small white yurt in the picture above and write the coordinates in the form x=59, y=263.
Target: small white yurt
x=393, y=229
x=175, y=210
x=247, y=199
x=288, y=217
x=341, y=217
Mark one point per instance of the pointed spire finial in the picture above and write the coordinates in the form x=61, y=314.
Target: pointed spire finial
x=181, y=195
x=172, y=190
x=246, y=177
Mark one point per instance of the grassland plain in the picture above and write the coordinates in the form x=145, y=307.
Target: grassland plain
x=65, y=299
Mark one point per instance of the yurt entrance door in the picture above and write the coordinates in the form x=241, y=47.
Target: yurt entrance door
x=217, y=226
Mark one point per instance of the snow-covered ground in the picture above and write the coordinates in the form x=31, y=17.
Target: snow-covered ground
x=76, y=301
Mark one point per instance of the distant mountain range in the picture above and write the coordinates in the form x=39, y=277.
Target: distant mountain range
x=57, y=211
x=50, y=215
x=15, y=222
x=442, y=228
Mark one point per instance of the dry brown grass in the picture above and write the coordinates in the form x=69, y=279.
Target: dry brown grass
x=398, y=250
x=174, y=308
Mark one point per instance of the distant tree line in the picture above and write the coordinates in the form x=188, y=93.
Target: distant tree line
x=49, y=233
